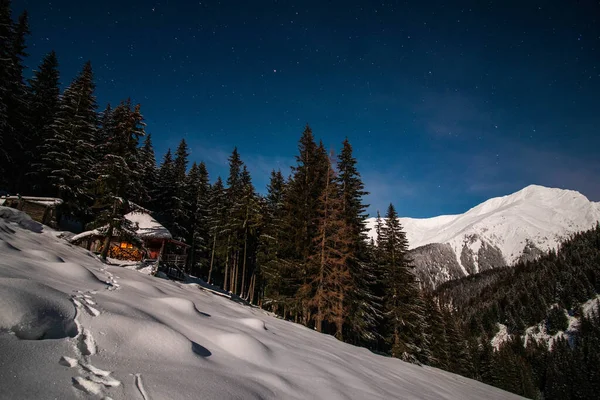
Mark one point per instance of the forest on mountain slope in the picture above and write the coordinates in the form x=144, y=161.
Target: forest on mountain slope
x=300, y=250
x=548, y=290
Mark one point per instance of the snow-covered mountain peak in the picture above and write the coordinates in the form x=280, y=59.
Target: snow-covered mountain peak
x=501, y=230
x=532, y=194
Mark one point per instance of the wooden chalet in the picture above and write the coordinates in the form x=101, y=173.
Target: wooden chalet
x=40, y=209
x=152, y=242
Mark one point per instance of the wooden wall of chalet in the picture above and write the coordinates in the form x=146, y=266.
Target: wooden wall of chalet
x=38, y=212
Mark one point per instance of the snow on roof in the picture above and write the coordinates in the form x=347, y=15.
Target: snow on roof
x=45, y=201
x=148, y=227
x=85, y=234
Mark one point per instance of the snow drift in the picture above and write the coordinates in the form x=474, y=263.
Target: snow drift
x=72, y=327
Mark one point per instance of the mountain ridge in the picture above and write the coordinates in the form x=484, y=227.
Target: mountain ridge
x=498, y=232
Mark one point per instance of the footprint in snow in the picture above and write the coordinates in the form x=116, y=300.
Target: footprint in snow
x=86, y=345
x=87, y=385
x=85, y=301
x=68, y=362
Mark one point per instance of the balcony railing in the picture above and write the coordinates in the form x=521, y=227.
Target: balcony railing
x=174, y=259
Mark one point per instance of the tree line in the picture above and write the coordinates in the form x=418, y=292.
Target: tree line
x=300, y=250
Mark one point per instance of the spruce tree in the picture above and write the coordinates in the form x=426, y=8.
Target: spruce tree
x=6, y=34
x=179, y=210
x=459, y=356
x=216, y=222
x=44, y=103
x=302, y=195
x=250, y=226
x=196, y=201
x=403, y=306
x=69, y=154
x=365, y=307
x=15, y=101
x=165, y=191
x=437, y=334
x=201, y=218
x=233, y=226
x=276, y=276
x=116, y=172
x=148, y=172
x=332, y=281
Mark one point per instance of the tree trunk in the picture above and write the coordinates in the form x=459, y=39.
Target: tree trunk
x=250, y=296
x=340, y=318
x=319, y=317
x=226, y=285
x=243, y=291
x=109, y=234
x=236, y=263
x=212, y=257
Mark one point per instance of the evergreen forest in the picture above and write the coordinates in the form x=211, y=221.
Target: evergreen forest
x=298, y=248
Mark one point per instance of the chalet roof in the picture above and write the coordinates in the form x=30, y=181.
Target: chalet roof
x=147, y=228
x=45, y=201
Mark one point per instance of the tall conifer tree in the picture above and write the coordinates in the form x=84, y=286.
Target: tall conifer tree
x=44, y=102
x=403, y=309
x=69, y=153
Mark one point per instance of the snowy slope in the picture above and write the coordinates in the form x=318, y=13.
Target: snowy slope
x=72, y=327
x=503, y=229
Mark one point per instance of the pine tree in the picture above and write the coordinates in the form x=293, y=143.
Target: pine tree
x=234, y=221
x=437, y=332
x=251, y=224
x=558, y=382
x=166, y=191
x=44, y=102
x=333, y=280
x=201, y=228
x=197, y=201
x=148, y=173
x=403, y=306
x=276, y=275
x=302, y=195
x=6, y=34
x=134, y=126
x=459, y=356
x=179, y=210
x=216, y=221
x=365, y=307
x=487, y=363
x=15, y=101
x=116, y=179
x=69, y=153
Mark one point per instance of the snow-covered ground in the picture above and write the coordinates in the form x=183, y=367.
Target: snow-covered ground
x=536, y=214
x=72, y=327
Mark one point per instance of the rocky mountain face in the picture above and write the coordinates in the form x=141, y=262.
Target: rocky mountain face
x=496, y=233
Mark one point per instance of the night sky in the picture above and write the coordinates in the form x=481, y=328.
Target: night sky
x=445, y=103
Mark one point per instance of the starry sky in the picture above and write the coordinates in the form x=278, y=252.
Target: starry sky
x=446, y=103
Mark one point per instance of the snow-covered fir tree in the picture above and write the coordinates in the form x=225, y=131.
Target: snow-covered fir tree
x=180, y=212
x=216, y=222
x=69, y=155
x=147, y=167
x=364, y=305
x=402, y=304
x=44, y=102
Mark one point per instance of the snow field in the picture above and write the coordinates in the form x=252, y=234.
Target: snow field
x=72, y=327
